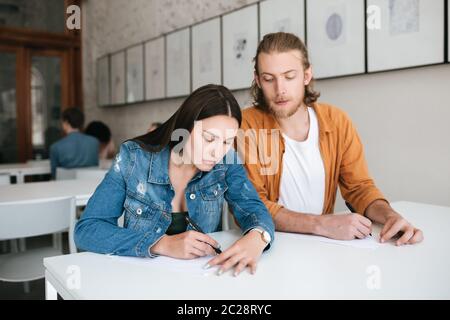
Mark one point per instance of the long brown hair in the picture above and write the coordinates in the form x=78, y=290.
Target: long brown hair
x=205, y=102
x=281, y=42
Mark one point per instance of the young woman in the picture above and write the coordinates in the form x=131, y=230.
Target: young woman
x=174, y=172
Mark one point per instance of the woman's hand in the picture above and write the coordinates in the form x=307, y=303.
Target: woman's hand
x=186, y=245
x=243, y=253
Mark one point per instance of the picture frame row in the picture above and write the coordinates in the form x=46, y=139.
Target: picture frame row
x=220, y=50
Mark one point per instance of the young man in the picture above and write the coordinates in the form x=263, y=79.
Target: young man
x=76, y=149
x=297, y=152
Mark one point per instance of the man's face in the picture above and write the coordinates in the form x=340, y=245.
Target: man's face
x=282, y=80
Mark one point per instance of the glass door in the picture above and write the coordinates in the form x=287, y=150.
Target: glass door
x=8, y=107
x=46, y=100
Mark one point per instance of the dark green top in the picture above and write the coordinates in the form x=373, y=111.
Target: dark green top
x=179, y=223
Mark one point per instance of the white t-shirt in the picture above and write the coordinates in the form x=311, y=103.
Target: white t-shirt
x=302, y=186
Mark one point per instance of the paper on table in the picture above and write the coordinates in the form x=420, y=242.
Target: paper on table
x=194, y=266
x=368, y=242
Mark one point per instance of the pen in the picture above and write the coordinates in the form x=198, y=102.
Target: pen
x=349, y=206
x=198, y=229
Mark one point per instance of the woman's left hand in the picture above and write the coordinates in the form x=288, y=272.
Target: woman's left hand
x=243, y=253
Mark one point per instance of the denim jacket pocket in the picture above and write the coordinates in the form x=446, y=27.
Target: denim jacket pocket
x=140, y=215
x=213, y=196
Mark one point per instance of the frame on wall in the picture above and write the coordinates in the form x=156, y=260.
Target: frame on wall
x=135, y=74
x=336, y=37
x=410, y=35
x=103, y=83
x=155, y=77
x=206, y=53
x=118, y=78
x=240, y=41
x=282, y=16
x=178, y=63
x=221, y=49
x=448, y=30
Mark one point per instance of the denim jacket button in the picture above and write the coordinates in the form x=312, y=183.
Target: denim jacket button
x=192, y=196
x=158, y=230
x=215, y=192
x=139, y=211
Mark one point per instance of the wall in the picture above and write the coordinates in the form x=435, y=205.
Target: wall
x=402, y=116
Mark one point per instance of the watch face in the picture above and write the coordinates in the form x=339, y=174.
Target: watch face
x=266, y=236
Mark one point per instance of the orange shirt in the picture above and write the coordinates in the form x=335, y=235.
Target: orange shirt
x=340, y=147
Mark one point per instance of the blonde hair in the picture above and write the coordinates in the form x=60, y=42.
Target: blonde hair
x=281, y=42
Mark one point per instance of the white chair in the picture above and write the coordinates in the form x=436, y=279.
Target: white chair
x=29, y=219
x=90, y=174
x=105, y=164
x=4, y=179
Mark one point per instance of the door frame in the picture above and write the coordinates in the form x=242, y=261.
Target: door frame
x=23, y=99
x=25, y=43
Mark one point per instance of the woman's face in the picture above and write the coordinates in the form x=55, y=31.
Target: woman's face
x=210, y=140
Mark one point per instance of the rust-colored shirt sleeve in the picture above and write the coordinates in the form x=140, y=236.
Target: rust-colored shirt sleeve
x=247, y=146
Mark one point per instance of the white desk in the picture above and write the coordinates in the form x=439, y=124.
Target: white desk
x=82, y=190
x=20, y=170
x=293, y=269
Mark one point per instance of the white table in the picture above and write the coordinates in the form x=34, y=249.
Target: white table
x=293, y=269
x=82, y=190
x=20, y=170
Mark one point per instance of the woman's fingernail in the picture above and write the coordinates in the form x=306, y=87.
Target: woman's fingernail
x=235, y=273
x=206, y=266
x=219, y=272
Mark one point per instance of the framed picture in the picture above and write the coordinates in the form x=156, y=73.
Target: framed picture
x=240, y=40
x=155, y=77
x=118, y=78
x=282, y=15
x=336, y=37
x=135, y=74
x=206, y=54
x=178, y=63
x=410, y=34
x=103, y=94
x=448, y=31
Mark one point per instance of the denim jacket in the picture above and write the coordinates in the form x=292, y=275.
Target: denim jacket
x=138, y=187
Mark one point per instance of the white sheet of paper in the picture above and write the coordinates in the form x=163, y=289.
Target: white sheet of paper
x=194, y=266
x=368, y=242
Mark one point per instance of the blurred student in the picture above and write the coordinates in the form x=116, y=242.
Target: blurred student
x=102, y=132
x=76, y=149
x=154, y=126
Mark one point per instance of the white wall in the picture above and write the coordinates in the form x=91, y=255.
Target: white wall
x=402, y=116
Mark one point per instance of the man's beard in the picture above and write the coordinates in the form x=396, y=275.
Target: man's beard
x=282, y=113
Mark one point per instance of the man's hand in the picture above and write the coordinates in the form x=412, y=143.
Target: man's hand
x=343, y=226
x=394, y=224
x=397, y=225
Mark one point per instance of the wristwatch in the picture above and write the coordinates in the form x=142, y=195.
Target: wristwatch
x=265, y=236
